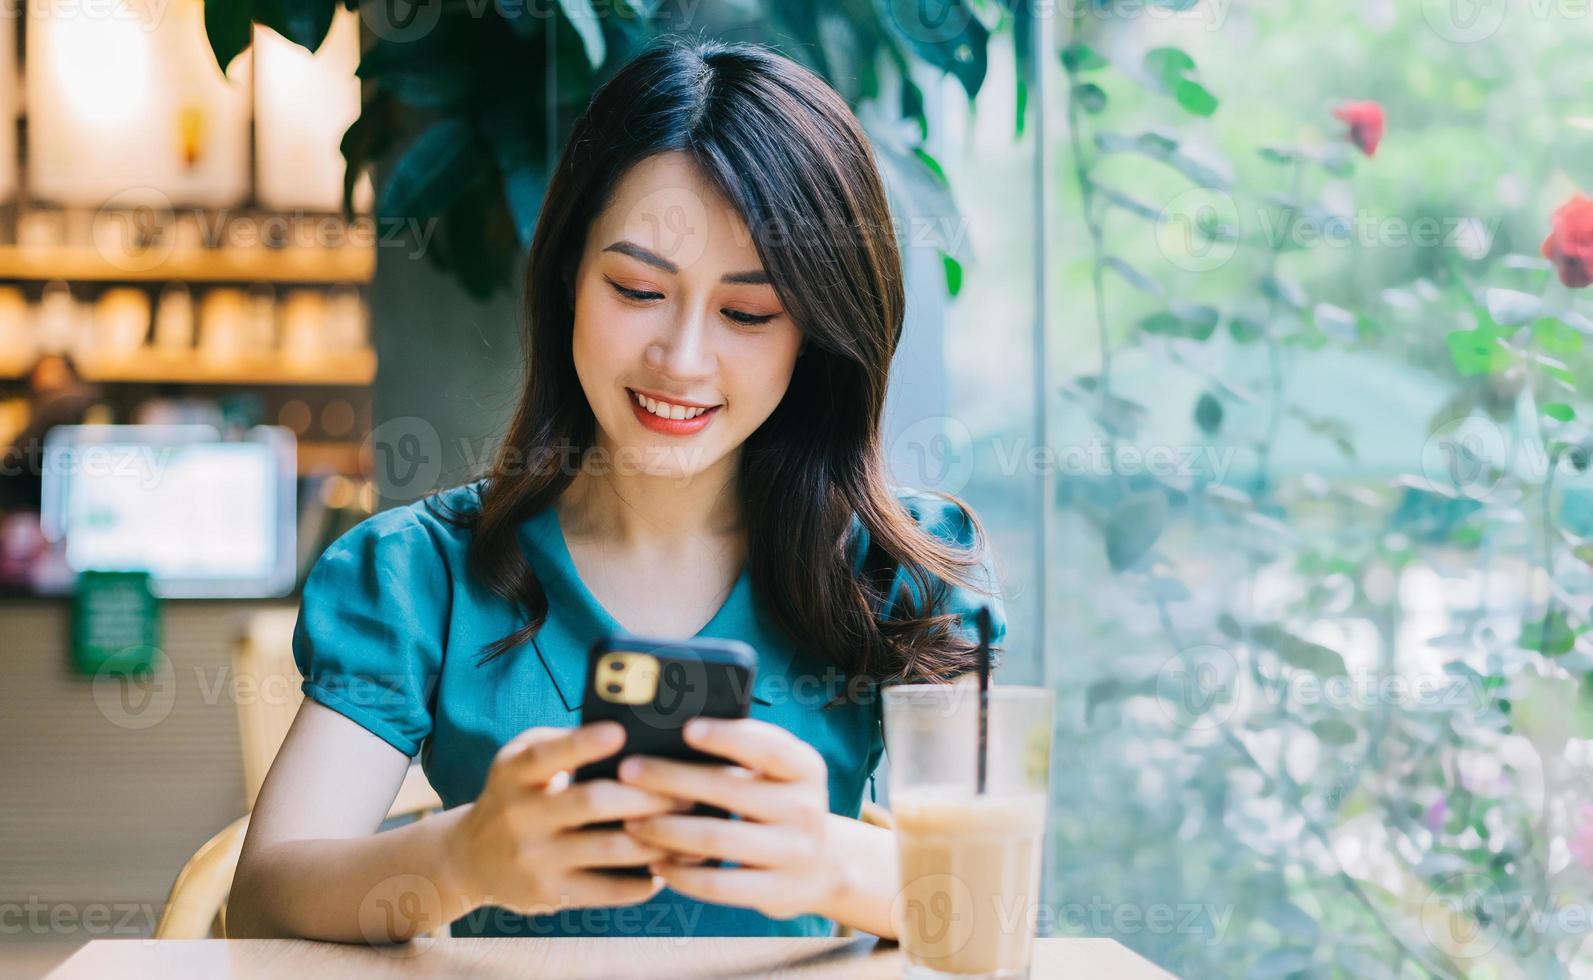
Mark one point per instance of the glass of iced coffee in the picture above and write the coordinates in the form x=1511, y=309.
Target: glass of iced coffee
x=970, y=859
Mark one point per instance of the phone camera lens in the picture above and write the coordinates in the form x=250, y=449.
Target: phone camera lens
x=616, y=665
x=615, y=688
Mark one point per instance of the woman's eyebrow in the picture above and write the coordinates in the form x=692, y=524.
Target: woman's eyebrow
x=755, y=277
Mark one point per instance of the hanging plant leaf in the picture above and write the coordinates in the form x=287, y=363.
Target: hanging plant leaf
x=228, y=25
x=1194, y=98
x=1168, y=66
x=1081, y=58
x=433, y=171
x=1551, y=634
x=1300, y=652
x=1134, y=527
x=953, y=274
x=1090, y=97
x=306, y=21
x=947, y=34
x=1208, y=413
x=1333, y=731
x=584, y=19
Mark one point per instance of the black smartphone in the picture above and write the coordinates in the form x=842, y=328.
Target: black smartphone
x=652, y=687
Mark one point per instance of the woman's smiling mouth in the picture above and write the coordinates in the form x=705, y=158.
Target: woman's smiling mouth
x=671, y=418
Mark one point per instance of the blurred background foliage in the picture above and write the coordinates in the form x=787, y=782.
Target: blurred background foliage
x=1319, y=549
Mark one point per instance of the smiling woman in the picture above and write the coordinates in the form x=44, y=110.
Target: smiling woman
x=714, y=298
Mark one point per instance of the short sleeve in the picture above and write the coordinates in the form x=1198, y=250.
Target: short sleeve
x=947, y=520
x=371, y=627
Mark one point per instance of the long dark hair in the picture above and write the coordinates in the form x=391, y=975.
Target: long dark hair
x=786, y=151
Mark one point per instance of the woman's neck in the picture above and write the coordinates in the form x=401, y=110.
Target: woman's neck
x=645, y=514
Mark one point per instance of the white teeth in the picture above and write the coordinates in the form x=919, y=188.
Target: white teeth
x=668, y=411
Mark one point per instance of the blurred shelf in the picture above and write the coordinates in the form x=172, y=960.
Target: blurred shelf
x=12, y=366
x=190, y=367
x=346, y=264
x=336, y=457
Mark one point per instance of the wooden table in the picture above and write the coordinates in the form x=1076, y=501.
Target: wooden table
x=520, y=958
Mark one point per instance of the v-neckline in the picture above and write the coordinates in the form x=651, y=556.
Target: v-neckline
x=562, y=553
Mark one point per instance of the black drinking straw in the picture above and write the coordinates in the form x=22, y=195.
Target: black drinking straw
x=984, y=692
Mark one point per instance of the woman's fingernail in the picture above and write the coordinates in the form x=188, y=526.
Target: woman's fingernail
x=698, y=728
x=630, y=768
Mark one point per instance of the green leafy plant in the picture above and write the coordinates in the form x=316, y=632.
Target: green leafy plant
x=1234, y=784
x=466, y=105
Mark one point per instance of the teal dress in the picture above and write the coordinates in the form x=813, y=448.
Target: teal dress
x=392, y=623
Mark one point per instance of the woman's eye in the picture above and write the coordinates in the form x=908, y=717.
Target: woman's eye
x=748, y=319
x=636, y=294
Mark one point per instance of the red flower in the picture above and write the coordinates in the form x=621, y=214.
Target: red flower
x=1366, y=124
x=1570, y=245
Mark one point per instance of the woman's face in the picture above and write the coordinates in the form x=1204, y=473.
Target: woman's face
x=673, y=307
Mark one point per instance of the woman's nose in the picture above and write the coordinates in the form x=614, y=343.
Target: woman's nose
x=683, y=352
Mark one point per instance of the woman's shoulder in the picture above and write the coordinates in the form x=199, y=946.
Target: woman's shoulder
x=437, y=525
x=939, y=514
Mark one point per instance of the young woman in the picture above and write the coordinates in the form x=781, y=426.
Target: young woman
x=714, y=295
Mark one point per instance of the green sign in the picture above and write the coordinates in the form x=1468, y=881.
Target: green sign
x=115, y=623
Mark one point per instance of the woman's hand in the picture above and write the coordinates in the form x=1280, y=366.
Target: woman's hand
x=778, y=785
x=522, y=844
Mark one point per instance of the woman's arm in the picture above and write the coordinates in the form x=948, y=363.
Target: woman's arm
x=312, y=860
x=869, y=882
x=313, y=865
